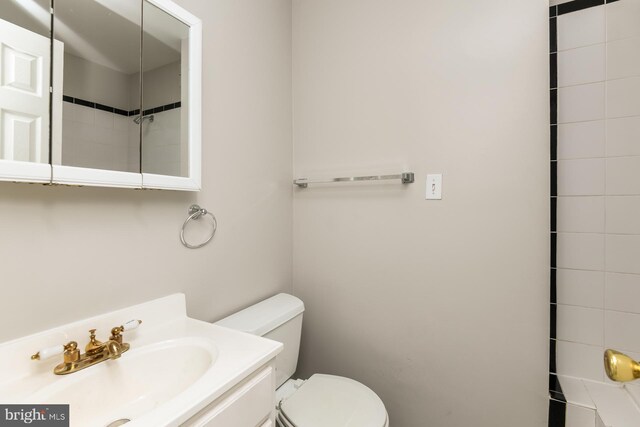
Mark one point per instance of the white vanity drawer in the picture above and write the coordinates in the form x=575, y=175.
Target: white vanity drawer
x=248, y=405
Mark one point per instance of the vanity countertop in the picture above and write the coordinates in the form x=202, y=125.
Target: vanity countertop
x=224, y=357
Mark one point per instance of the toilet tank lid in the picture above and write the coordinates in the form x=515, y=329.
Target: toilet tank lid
x=263, y=317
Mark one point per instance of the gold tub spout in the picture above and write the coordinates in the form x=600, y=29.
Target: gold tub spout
x=620, y=367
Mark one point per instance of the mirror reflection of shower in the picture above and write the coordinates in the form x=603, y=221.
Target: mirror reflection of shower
x=139, y=119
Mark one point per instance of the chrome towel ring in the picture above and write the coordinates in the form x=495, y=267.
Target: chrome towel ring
x=195, y=212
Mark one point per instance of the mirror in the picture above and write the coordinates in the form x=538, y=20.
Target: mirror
x=25, y=75
x=106, y=100
x=100, y=84
x=165, y=103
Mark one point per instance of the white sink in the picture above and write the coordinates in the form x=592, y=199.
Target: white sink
x=137, y=382
x=176, y=366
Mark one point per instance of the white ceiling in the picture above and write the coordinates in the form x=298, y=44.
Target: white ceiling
x=106, y=32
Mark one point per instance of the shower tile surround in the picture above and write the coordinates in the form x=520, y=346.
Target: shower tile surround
x=98, y=131
x=104, y=137
x=595, y=217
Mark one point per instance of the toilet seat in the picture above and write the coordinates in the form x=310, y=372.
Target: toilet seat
x=328, y=400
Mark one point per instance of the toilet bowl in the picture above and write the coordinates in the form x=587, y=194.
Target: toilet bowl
x=320, y=401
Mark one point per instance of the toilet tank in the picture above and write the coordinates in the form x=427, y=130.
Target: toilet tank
x=278, y=318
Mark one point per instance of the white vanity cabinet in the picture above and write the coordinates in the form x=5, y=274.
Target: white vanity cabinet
x=251, y=403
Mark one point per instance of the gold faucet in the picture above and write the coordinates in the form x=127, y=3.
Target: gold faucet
x=95, y=351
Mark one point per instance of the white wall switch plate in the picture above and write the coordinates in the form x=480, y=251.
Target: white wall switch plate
x=434, y=187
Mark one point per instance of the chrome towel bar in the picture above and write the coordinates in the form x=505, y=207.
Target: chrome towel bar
x=405, y=178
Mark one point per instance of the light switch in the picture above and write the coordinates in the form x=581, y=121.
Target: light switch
x=434, y=187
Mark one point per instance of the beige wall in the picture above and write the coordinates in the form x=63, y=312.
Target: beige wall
x=68, y=253
x=96, y=83
x=440, y=306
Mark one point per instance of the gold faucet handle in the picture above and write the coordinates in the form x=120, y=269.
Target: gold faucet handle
x=116, y=333
x=70, y=349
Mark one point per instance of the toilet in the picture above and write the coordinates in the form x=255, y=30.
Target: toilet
x=320, y=401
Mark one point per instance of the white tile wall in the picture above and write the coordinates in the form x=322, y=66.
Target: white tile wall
x=581, y=65
x=579, y=416
x=623, y=253
x=623, y=58
x=580, y=251
x=623, y=215
x=580, y=287
x=579, y=360
x=623, y=175
x=582, y=140
x=94, y=138
x=598, y=204
x=621, y=331
x=161, y=143
x=622, y=292
x=582, y=28
x=585, y=102
x=623, y=137
x=623, y=98
x=584, y=177
x=581, y=214
x=580, y=324
x=575, y=391
x=622, y=19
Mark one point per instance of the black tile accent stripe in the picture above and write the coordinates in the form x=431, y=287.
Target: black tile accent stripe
x=554, y=179
x=553, y=68
x=553, y=35
x=119, y=111
x=576, y=5
x=554, y=215
x=555, y=389
x=557, y=413
x=554, y=142
x=84, y=103
x=552, y=356
x=554, y=107
x=557, y=401
x=105, y=108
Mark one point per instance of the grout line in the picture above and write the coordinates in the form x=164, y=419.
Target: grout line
x=568, y=159
x=595, y=195
x=606, y=80
x=604, y=309
x=606, y=88
x=595, y=271
x=597, y=233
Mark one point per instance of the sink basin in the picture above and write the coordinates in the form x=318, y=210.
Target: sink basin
x=128, y=387
x=176, y=367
